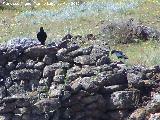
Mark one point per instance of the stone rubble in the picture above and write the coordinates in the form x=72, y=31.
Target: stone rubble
x=66, y=81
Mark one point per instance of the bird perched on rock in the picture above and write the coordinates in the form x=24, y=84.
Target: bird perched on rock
x=119, y=54
x=42, y=36
x=144, y=35
x=68, y=36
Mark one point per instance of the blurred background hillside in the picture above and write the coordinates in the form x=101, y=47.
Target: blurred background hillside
x=22, y=18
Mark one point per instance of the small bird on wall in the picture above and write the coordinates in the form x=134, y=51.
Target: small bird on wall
x=42, y=36
x=119, y=54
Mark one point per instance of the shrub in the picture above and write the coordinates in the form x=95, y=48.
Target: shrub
x=128, y=32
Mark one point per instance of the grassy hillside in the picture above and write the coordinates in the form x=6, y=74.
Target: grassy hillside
x=83, y=17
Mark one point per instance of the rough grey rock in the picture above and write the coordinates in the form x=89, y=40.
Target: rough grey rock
x=3, y=60
x=39, y=51
x=72, y=47
x=55, y=91
x=113, y=88
x=155, y=116
x=30, y=64
x=80, y=51
x=3, y=92
x=20, y=65
x=123, y=100
x=103, y=60
x=35, y=52
x=154, y=104
x=118, y=115
x=6, y=116
x=106, y=79
x=21, y=42
x=3, y=72
x=66, y=95
x=91, y=99
x=76, y=72
x=138, y=114
x=105, y=67
x=47, y=60
x=12, y=103
x=59, y=72
x=42, y=90
x=86, y=71
x=59, y=79
x=84, y=60
x=10, y=66
x=47, y=105
x=98, y=52
x=62, y=55
x=8, y=82
x=134, y=79
x=75, y=53
x=39, y=65
x=26, y=74
x=13, y=54
x=65, y=59
x=73, y=73
x=48, y=71
x=14, y=89
x=63, y=65
x=61, y=52
x=85, y=83
x=62, y=44
x=45, y=81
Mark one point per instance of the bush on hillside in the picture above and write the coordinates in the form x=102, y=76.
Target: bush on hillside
x=128, y=32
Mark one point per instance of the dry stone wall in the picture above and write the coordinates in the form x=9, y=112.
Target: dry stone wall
x=65, y=81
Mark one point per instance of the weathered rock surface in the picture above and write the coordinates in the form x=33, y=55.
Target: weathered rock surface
x=26, y=74
x=64, y=81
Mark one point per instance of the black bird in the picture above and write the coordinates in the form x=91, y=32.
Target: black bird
x=42, y=36
x=144, y=35
x=68, y=36
x=119, y=54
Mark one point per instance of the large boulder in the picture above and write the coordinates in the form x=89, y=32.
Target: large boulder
x=107, y=79
x=40, y=51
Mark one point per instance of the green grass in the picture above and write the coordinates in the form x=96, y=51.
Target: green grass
x=142, y=53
